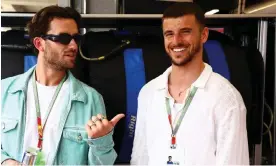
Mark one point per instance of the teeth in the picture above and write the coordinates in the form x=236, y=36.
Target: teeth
x=178, y=49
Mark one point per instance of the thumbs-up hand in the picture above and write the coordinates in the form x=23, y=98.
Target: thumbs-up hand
x=99, y=126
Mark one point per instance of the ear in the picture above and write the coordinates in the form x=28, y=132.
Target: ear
x=39, y=44
x=204, y=34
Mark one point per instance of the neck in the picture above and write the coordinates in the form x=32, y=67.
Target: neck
x=48, y=76
x=183, y=76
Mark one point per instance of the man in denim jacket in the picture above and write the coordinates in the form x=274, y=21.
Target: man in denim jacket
x=48, y=109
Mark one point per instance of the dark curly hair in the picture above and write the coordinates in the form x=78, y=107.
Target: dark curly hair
x=40, y=23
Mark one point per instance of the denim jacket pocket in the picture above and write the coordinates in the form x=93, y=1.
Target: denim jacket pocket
x=8, y=124
x=73, y=148
x=75, y=134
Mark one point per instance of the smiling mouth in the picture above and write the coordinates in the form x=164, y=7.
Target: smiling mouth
x=179, y=49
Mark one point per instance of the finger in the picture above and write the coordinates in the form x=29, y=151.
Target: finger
x=90, y=123
x=94, y=129
x=93, y=118
x=116, y=119
x=88, y=130
x=101, y=117
x=105, y=122
x=91, y=131
x=96, y=120
x=99, y=124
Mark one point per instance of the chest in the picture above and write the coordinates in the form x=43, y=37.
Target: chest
x=178, y=95
x=197, y=122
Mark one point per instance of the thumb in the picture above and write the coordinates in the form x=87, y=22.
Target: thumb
x=116, y=119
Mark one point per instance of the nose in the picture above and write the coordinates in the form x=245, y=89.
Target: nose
x=177, y=39
x=73, y=45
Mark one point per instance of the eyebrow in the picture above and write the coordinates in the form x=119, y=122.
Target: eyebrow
x=185, y=29
x=182, y=29
x=167, y=31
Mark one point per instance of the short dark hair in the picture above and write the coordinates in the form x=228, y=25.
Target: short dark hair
x=180, y=9
x=40, y=23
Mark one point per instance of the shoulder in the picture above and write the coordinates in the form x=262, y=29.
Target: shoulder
x=90, y=91
x=83, y=92
x=149, y=88
x=225, y=92
x=9, y=82
x=156, y=84
x=10, y=79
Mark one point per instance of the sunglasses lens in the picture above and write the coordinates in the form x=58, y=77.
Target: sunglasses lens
x=65, y=38
x=77, y=38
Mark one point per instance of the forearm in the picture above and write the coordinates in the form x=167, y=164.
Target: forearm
x=139, y=154
x=101, y=150
x=139, y=157
x=232, y=143
x=233, y=152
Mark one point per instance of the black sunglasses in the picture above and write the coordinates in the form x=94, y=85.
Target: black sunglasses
x=63, y=38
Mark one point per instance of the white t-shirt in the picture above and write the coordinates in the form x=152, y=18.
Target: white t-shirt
x=45, y=94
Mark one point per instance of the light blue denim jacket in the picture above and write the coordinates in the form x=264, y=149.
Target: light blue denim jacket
x=73, y=147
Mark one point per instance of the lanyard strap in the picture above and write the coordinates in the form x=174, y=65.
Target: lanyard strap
x=40, y=128
x=183, y=111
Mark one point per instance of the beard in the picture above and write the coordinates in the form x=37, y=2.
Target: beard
x=193, y=50
x=54, y=60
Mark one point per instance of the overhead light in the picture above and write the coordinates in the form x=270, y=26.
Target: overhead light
x=211, y=12
x=261, y=7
